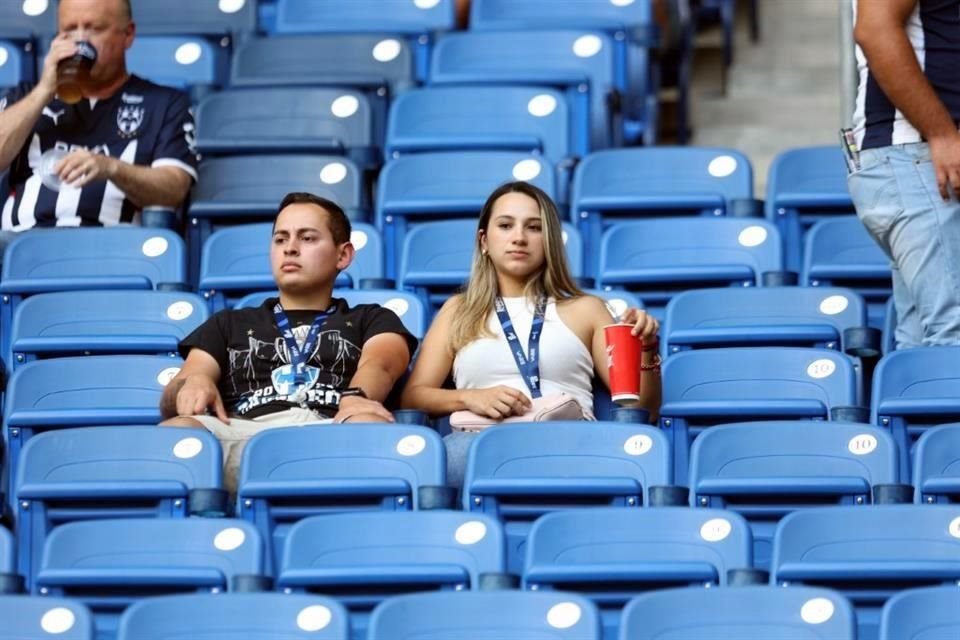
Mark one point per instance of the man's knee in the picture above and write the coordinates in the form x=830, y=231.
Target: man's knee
x=183, y=422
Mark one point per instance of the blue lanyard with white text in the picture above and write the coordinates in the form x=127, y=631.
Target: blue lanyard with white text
x=528, y=363
x=299, y=354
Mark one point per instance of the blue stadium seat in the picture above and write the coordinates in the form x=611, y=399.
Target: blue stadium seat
x=243, y=189
x=436, y=258
x=430, y=186
x=744, y=613
x=110, y=564
x=714, y=386
x=840, y=253
x=806, y=185
x=922, y=614
x=765, y=470
x=42, y=618
x=81, y=392
x=362, y=558
x=10, y=580
x=235, y=261
x=576, y=62
x=913, y=390
x=868, y=554
x=112, y=472
x=235, y=616
x=16, y=64
x=936, y=466
x=28, y=21
x=516, y=473
x=418, y=22
x=612, y=555
x=214, y=18
x=46, y=260
x=191, y=64
x=773, y=316
x=688, y=253
x=504, y=614
x=103, y=322
x=663, y=181
x=290, y=474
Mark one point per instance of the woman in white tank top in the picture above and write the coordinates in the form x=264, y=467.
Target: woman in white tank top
x=519, y=257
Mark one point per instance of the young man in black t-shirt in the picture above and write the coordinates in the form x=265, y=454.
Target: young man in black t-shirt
x=304, y=357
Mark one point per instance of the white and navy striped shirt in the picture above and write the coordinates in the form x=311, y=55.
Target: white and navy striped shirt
x=142, y=123
x=934, y=32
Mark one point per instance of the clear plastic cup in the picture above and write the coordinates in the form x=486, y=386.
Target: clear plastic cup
x=48, y=168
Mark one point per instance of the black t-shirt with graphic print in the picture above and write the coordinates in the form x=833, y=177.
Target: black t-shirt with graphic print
x=252, y=354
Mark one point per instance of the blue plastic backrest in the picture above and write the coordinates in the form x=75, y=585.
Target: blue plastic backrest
x=80, y=463
x=790, y=458
x=808, y=177
x=550, y=14
x=342, y=461
x=518, y=616
x=565, y=458
x=31, y=618
x=936, y=471
x=96, y=390
x=364, y=16
x=757, y=382
x=71, y=322
x=922, y=614
x=7, y=559
x=744, y=613
x=177, y=61
x=22, y=21
x=691, y=249
x=917, y=382
x=662, y=180
x=193, y=17
x=348, y=60
x=91, y=551
x=707, y=318
x=238, y=258
x=842, y=250
x=284, y=119
x=12, y=67
x=93, y=258
x=325, y=551
x=656, y=545
x=235, y=616
x=529, y=119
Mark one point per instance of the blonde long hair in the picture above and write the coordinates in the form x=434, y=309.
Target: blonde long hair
x=552, y=280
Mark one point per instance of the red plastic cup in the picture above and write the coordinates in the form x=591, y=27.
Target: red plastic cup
x=623, y=358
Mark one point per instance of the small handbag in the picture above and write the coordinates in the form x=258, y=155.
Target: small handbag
x=556, y=406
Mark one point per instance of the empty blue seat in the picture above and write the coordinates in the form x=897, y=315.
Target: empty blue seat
x=10, y=580
x=503, y=614
x=840, y=253
x=714, y=386
x=922, y=614
x=774, y=316
x=191, y=64
x=744, y=613
x=612, y=555
x=806, y=185
x=103, y=322
x=290, y=474
x=28, y=20
x=657, y=258
x=110, y=564
x=16, y=65
x=913, y=390
x=518, y=472
x=80, y=392
x=936, y=465
x=214, y=18
x=431, y=186
x=868, y=554
x=765, y=470
x=42, y=618
x=235, y=616
x=362, y=558
x=112, y=472
x=236, y=261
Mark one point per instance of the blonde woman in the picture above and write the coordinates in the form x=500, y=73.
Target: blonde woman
x=519, y=279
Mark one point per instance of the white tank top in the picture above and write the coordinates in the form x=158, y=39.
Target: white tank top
x=566, y=365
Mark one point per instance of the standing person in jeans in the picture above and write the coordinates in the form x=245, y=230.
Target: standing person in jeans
x=905, y=180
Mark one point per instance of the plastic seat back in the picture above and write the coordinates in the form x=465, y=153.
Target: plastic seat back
x=39, y=618
x=922, y=614
x=936, y=468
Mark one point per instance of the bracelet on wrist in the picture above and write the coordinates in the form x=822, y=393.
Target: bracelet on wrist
x=650, y=346
x=654, y=365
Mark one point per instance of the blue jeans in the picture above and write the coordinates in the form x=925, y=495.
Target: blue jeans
x=896, y=196
x=458, y=447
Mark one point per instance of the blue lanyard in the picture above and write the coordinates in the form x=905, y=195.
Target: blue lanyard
x=528, y=363
x=299, y=355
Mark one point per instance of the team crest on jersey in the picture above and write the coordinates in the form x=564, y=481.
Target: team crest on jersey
x=129, y=119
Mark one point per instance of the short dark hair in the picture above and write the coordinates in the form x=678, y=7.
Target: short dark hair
x=127, y=9
x=337, y=220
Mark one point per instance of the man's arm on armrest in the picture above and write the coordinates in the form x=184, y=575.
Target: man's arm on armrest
x=197, y=380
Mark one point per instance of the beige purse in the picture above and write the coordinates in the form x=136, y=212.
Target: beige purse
x=558, y=406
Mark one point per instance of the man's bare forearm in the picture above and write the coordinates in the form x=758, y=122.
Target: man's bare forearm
x=16, y=123
x=168, y=401
x=151, y=186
